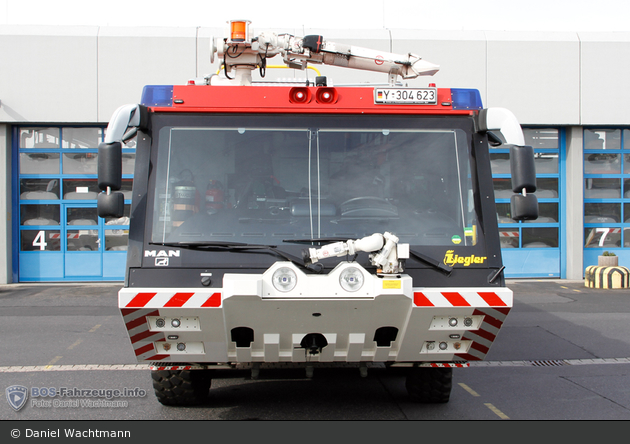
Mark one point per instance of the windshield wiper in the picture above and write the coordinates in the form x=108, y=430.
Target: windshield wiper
x=318, y=241
x=433, y=262
x=236, y=247
x=201, y=244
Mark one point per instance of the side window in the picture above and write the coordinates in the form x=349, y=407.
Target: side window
x=606, y=188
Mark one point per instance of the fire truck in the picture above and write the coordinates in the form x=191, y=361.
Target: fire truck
x=311, y=225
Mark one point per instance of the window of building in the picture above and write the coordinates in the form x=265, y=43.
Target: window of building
x=61, y=235
x=545, y=231
x=606, y=188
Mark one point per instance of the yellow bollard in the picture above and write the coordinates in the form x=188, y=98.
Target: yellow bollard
x=607, y=277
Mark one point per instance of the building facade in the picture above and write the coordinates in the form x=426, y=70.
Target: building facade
x=60, y=85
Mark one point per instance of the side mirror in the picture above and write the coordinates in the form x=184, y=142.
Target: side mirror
x=523, y=169
x=502, y=128
x=110, y=205
x=523, y=206
x=110, y=166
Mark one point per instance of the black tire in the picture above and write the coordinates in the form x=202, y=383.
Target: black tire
x=429, y=385
x=181, y=387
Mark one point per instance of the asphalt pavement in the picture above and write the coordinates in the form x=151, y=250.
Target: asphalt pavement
x=563, y=354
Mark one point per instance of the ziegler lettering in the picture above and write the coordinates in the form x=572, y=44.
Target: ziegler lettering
x=450, y=258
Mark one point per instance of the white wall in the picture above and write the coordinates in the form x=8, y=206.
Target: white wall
x=605, y=88
x=536, y=75
x=130, y=58
x=82, y=74
x=48, y=73
x=461, y=56
x=6, y=214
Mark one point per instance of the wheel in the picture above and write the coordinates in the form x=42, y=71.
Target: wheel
x=429, y=385
x=181, y=387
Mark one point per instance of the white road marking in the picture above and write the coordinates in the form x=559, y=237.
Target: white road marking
x=83, y=367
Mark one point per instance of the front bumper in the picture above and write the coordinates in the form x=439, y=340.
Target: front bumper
x=424, y=324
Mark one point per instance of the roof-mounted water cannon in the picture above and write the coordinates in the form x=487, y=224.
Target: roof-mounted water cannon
x=241, y=53
x=386, y=252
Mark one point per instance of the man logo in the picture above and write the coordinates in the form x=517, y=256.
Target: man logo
x=17, y=396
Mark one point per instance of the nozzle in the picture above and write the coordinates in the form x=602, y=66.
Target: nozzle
x=306, y=257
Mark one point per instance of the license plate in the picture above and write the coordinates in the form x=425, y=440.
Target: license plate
x=406, y=96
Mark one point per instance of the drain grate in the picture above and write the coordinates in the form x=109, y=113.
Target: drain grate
x=553, y=363
x=550, y=362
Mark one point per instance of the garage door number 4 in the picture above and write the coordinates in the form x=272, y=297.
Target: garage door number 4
x=40, y=240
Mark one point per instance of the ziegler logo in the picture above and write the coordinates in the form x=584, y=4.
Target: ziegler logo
x=451, y=259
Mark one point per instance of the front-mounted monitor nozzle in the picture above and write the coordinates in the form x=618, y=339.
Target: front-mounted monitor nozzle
x=384, y=248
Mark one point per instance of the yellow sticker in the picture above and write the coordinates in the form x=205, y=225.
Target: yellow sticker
x=389, y=284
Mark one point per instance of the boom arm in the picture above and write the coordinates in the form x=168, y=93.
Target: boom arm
x=244, y=55
x=386, y=252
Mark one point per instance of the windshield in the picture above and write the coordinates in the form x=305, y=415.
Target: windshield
x=271, y=179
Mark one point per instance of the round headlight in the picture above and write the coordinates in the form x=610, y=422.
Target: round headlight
x=351, y=279
x=284, y=279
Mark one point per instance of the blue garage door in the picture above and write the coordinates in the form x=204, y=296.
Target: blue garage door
x=532, y=248
x=61, y=237
x=606, y=194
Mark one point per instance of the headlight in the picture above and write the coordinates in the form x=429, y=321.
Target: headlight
x=351, y=279
x=284, y=279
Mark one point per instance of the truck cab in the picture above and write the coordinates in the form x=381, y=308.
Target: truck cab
x=311, y=224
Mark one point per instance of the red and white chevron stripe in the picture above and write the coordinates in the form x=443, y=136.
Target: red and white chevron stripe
x=493, y=304
x=463, y=298
x=483, y=338
x=141, y=338
x=445, y=364
x=136, y=305
x=175, y=367
x=165, y=298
